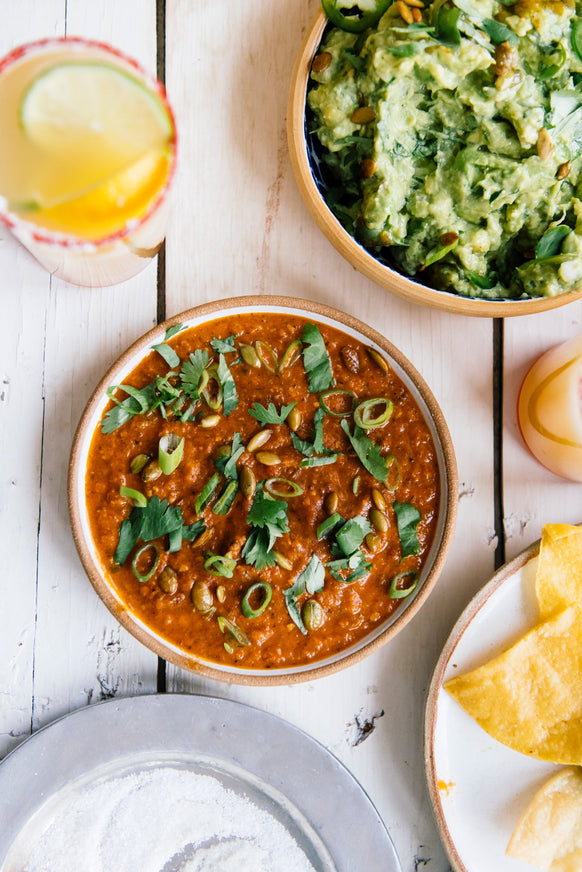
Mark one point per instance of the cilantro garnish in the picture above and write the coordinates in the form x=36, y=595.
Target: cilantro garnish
x=346, y=549
x=316, y=359
x=229, y=394
x=227, y=465
x=316, y=446
x=311, y=580
x=147, y=523
x=368, y=452
x=224, y=346
x=191, y=373
x=168, y=353
x=171, y=331
x=270, y=415
x=407, y=520
x=268, y=518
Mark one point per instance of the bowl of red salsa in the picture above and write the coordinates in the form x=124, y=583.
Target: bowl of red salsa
x=263, y=490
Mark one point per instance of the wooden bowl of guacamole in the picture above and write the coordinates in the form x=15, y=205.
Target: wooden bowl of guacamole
x=439, y=149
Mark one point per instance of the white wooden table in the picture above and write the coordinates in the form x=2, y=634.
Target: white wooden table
x=239, y=227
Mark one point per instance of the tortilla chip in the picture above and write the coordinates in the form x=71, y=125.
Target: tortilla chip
x=549, y=833
x=559, y=572
x=530, y=697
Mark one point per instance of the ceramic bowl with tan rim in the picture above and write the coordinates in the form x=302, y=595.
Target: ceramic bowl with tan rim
x=208, y=573
x=311, y=183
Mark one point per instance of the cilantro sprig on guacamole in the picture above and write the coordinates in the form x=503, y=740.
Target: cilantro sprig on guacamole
x=451, y=141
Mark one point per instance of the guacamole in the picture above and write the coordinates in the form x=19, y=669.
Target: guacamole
x=450, y=141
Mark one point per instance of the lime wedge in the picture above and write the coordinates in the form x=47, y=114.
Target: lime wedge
x=93, y=105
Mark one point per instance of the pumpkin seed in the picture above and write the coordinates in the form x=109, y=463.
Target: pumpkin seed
x=294, y=418
x=258, y=439
x=312, y=614
x=221, y=593
x=209, y=421
x=267, y=458
x=378, y=500
x=330, y=502
x=201, y=597
x=378, y=359
x=249, y=355
x=151, y=471
x=281, y=561
x=138, y=463
x=168, y=580
x=379, y=521
x=373, y=542
x=247, y=482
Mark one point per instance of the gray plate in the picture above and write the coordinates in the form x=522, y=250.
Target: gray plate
x=276, y=765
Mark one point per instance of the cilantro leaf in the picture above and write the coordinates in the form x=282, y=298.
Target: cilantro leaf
x=227, y=465
x=269, y=520
x=322, y=460
x=312, y=580
x=368, y=452
x=191, y=531
x=128, y=536
x=351, y=535
x=407, y=520
x=316, y=359
x=223, y=346
x=171, y=331
x=147, y=523
x=346, y=549
x=257, y=548
x=168, y=353
x=302, y=445
x=229, y=394
x=270, y=415
x=191, y=372
x=159, y=518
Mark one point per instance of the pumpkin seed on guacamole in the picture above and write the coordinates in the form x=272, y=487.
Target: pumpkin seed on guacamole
x=451, y=141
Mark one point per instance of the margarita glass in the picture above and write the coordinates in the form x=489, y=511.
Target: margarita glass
x=550, y=409
x=87, y=155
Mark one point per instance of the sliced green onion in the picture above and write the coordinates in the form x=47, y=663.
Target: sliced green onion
x=356, y=484
x=266, y=355
x=397, y=592
x=283, y=488
x=212, y=398
x=135, y=496
x=291, y=355
x=577, y=38
x=319, y=460
x=217, y=564
x=226, y=498
x=141, y=577
x=354, y=23
x=336, y=392
x=205, y=495
x=232, y=630
x=329, y=525
x=364, y=415
x=261, y=589
x=170, y=452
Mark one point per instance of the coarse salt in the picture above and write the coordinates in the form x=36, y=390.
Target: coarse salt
x=158, y=819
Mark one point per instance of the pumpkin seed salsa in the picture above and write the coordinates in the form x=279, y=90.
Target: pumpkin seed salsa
x=263, y=490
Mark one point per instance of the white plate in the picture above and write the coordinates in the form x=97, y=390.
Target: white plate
x=253, y=753
x=479, y=787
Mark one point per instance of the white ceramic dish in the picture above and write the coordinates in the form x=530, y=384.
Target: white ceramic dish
x=331, y=818
x=478, y=787
x=446, y=514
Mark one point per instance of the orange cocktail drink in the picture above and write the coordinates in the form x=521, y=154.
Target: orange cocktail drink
x=550, y=409
x=87, y=154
